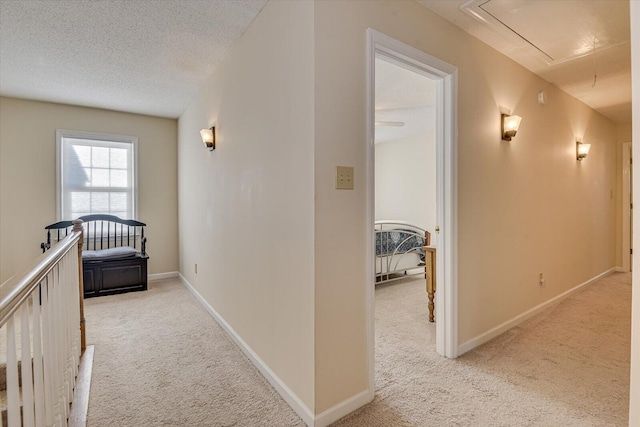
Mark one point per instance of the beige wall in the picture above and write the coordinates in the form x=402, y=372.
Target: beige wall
x=524, y=207
x=28, y=176
x=634, y=398
x=623, y=133
x=246, y=209
x=405, y=176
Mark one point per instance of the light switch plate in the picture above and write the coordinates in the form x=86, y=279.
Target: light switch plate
x=344, y=178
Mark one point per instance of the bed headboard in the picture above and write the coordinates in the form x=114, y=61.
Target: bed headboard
x=389, y=225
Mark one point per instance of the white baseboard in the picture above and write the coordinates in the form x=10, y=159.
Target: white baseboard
x=287, y=394
x=346, y=407
x=621, y=270
x=160, y=276
x=500, y=329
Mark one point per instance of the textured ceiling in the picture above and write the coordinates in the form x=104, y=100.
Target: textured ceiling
x=146, y=57
x=403, y=96
x=554, y=39
x=150, y=57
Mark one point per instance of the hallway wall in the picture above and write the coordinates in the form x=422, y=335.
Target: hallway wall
x=246, y=208
x=524, y=207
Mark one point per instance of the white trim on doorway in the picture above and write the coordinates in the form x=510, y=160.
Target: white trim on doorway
x=626, y=206
x=445, y=75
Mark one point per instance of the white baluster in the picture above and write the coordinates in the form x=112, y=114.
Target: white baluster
x=74, y=362
x=52, y=354
x=70, y=360
x=38, y=369
x=13, y=392
x=67, y=362
x=65, y=386
x=27, y=381
x=71, y=283
x=46, y=354
x=56, y=344
x=75, y=325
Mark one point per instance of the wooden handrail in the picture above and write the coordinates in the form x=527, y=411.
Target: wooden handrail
x=17, y=289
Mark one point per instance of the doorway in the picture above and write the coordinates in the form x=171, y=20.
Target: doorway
x=405, y=172
x=627, y=207
x=445, y=78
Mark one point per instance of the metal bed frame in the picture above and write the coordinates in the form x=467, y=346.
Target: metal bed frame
x=399, y=250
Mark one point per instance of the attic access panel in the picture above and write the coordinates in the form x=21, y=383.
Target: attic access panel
x=555, y=31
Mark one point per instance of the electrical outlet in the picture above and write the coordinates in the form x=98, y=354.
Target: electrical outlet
x=344, y=178
x=195, y=268
x=541, y=280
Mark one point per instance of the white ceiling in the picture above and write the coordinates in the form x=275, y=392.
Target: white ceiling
x=554, y=39
x=403, y=96
x=150, y=57
x=147, y=57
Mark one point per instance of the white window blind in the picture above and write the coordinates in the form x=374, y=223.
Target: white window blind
x=96, y=175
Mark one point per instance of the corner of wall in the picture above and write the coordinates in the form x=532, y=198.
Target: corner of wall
x=276, y=382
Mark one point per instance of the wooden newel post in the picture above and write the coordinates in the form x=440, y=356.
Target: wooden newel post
x=77, y=226
x=430, y=273
x=430, y=267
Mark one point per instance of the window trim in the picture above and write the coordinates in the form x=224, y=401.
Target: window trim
x=61, y=133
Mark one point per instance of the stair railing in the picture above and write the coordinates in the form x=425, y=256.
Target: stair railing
x=42, y=315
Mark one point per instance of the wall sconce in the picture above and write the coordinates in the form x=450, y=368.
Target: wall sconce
x=582, y=150
x=510, y=125
x=209, y=137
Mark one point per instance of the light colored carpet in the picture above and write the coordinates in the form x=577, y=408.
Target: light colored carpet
x=567, y=366
x=161, y=360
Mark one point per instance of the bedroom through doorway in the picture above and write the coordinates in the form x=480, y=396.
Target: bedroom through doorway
x=405, y=208
x=410, y=93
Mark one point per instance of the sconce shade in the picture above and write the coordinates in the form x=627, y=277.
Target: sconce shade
x=510, y=125
x=209, y=138
x=582, y=150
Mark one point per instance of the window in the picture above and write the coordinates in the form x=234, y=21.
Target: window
x=96, y=174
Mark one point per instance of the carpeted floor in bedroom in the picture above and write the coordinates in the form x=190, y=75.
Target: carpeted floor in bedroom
x=161, y=360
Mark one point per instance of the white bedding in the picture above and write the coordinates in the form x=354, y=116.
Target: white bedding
x=397, y=263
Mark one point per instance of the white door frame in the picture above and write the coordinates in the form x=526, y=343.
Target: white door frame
x=626, y=206
x=446, y=75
